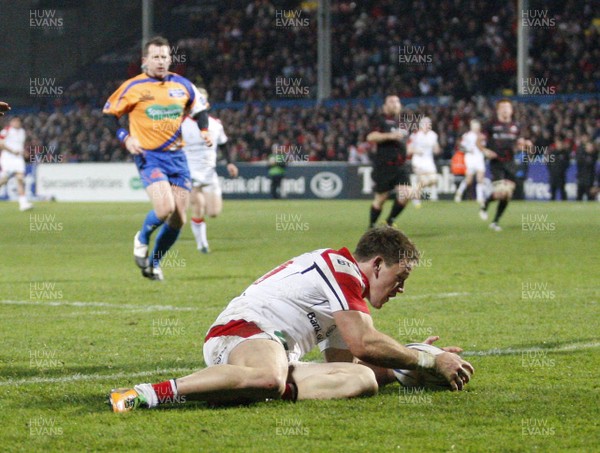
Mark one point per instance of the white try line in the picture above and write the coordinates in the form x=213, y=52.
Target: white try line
x=435, y=296
x=513, y=351
x=177, y=371
x=93, y=377
x=59, y=303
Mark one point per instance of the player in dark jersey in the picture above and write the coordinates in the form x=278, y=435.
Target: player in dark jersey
x=389, y=169
x=502, y=139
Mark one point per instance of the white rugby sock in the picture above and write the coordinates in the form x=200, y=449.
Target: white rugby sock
x=148, y=392
x=479, y=193
x=199, y=230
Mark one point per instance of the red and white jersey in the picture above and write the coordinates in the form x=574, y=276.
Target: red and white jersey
x=199, y=155
x=469, y=143
x=14, y=138
x=299, y=297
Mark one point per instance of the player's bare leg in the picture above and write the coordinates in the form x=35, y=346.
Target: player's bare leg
x=429, y=182
x=376, y=207
x=479, y=189
x=333, y=380
x=465, y=183
x=214, y=203
x=256, y=370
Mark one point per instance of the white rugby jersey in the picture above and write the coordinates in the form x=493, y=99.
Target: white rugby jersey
x=199, y=155
x=14, y=138
x=469, y=143
x=424, y=144
x=299, y=297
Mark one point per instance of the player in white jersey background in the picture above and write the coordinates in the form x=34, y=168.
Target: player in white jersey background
x=253, y=348
x=12, y=162
x=206, y=198
x=471, y=145
x=422, y=146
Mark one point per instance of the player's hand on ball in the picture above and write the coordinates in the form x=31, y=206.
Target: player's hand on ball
x=434, y=338
x=454, y=369
x=133, y=145
x=206, y=137
x=4, y=107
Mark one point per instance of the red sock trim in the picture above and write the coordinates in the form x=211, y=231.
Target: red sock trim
x=164, y=392
x=197, y=219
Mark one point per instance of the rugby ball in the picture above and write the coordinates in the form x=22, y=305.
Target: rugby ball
x=422, y=378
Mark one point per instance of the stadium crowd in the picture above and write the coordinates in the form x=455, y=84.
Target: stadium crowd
x=241, y=50
x=458, y=48
x=317, y=133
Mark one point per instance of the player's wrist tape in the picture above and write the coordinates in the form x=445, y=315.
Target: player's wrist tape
x=122, y=134
x=425, y=360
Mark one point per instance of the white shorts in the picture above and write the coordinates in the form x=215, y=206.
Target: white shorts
x=474, y=163
x=10, y=163
x=423, y=167
x=206, y=179
x=222, y=339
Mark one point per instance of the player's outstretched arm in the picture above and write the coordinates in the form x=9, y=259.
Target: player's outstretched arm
x=372, y=346
x=378, y=137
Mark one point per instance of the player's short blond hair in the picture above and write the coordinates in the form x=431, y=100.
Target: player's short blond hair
x=203, y=92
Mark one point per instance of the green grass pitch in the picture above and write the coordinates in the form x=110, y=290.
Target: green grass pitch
x=78, y=319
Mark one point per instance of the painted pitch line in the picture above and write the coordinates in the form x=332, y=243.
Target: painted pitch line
x=176, y=371
x=513, y=351
x=92, y=377
x=58, y=303
x=434, y=296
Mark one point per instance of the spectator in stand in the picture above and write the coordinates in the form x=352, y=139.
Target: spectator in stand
x=587, y=156
x=558, y=163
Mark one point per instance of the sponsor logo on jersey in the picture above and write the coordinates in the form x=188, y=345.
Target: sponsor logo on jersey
x=341, y=264
x=312, y=317
x=176, y=93
x=160, y=112
x=146, y=96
